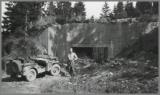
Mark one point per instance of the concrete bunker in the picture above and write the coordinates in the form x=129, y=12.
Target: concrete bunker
x=96, y=41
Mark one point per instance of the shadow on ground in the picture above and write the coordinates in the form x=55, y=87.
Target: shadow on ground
x=19, y=79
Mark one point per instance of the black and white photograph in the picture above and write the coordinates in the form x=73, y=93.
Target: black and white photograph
x=79, y=47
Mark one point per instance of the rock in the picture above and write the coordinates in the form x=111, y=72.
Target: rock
x=96, y=77
x=133, y=62
x=107, y=74
x=88, y=65
x=104, y=73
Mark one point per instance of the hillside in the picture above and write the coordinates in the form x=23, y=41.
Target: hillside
x=145, y=48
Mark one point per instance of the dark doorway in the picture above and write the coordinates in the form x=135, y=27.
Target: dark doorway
x=96, y=53
x=84, y=52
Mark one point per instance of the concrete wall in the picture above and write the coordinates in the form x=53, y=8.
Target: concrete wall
x=114, y=36
x=97, y=35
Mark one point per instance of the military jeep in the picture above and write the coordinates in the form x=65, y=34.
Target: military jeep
x=36, y=65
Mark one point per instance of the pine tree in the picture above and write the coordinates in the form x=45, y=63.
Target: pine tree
x=130, y=9
x=119, y=11
x=105, y=10
x=79, y=11
x=144, y=7
x=105, y=15
x=7, y=20
x=19, y=13
x=63, y=12
x=115, y=11
x=120, y=6
x=92, y=19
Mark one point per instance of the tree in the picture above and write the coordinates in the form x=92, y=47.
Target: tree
x=119, y=11
x=111, y=15
x=115, y=11
x=105, y=15
x=7, y=21
x=92, y=19
x=155, y=7
x=105, y=10
x=130, y=9
x=63, y=12
x=79, y=11
x=144, y=7
x=51, y=10
x=18, y=14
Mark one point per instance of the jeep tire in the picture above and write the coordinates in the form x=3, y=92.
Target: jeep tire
x=55, y=70
x=31, y=75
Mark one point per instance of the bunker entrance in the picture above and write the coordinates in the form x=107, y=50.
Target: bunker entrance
x=83, y=52
x=97, y=53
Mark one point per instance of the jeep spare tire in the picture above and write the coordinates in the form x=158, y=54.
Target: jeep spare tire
x=31, y=75
x=55, y=70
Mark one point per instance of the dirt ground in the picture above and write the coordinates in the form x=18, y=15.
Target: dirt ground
x=58, y=85
x=91, y=79
x=39, y=85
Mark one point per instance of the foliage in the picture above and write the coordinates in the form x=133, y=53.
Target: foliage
x=144, y=7
x=119, y=11
x=138, y=49
x=92, y=19
x=143, y=11
x=105, y=10
x=19, y=14
x=79, y=11
x=51, y=10
x=105, y=15
x=131, y=11
x=155, y=7
x=21, y=48
x=146, y=18
x=63, y=12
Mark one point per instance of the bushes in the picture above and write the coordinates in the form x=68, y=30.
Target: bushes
x=27, y=47
x=21, y=47
x=147, y=18
x=146, y=47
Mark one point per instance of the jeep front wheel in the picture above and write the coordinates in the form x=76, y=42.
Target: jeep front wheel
x=31, y=75
x=55, y=70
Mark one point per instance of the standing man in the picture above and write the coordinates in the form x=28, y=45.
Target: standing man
x=72, y=56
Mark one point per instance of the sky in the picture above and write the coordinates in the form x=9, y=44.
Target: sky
x=93, y=8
